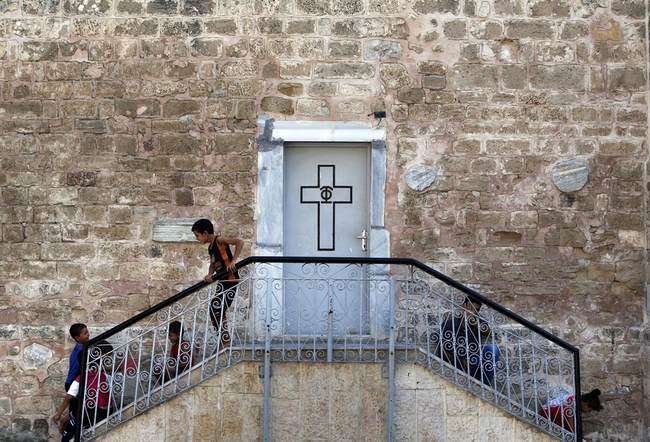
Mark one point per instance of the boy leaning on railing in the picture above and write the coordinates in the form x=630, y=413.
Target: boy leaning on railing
x=221, y=258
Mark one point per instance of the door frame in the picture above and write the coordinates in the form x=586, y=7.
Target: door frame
x=269, y=208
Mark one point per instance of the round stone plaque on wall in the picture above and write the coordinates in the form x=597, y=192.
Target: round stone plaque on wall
x=570, y=175
x=420, y=177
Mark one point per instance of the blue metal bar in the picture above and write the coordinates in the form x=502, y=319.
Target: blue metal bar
x=391, y=367
x=267, y=371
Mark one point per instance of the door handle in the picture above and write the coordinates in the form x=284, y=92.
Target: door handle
x=364, y=240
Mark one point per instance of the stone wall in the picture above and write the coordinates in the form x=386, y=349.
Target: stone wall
x=326, y=402
x=115, y=114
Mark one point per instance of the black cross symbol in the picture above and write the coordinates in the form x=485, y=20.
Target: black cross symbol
x=326, y=195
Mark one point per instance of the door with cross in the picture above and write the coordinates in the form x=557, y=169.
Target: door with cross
x=326, y=213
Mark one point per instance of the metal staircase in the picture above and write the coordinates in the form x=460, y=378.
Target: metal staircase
x=361, y=310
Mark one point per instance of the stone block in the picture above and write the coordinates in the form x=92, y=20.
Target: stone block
x=78, y=7
x=306, y=26
x=78, y=108
x=605, y=29
x=5, y=406
x=555, y=53
x=619, y=148
x=137, y=108
x=549, y=8
x=347, y=7
x=31, y=405
x=524, y=219
x=533, y=29
x=558, y=77
x=37, y=356
x=129, y=7
x=313, y=7
x=434, y=82
x=423, y=112
x=39, y=7
x=322, y=89
x=432, y=68
x=207, y=47
x=82, y=179
x=468, y=76
x=508, y=7
x=269, y=25
x=21, y=109
x=67, y=251
x=198, y=7
x=278, y=105
x=179, y=108
x=291, y=89
x=180, y=144
x=629, y=8
x=344, y=70
x=312, y=410
x=514, y=77
x=180, y=69
x=382, y=49
x=344, y=49
x=405, y=418
x=239, y=69
x=436, y=6
x=221, y=26
x=312, y=107
x=507, y=147
x=626, y=79
x=281, y=48
x=411, y=95
x=39, y=51
x=166, y=7
x=394, y=75
x=455, y=29
x=180, y=28
x=572, y=30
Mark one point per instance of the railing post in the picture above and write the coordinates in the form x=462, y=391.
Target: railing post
x=577, y=396
x=81, y=395
x=330, y=325
x=391, y=365
x=267, y=370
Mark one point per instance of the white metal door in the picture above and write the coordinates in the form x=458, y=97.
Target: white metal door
x=326, y=213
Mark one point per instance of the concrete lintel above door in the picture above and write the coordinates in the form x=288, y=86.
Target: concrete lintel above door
x=342, y=131
x=269, y=210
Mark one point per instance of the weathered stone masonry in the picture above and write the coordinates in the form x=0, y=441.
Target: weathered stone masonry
x=117, y=113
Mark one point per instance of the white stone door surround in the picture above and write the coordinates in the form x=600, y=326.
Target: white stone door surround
x=269, y=209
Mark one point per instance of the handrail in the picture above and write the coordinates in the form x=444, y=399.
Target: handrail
x=470, y=293
x=473, y=294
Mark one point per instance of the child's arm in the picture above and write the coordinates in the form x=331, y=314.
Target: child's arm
x=59, y=411
x=211, y=270
x=238, y=243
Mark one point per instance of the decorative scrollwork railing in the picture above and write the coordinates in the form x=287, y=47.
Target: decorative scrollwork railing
x=331, y=309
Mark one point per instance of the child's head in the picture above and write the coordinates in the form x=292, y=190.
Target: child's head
x=202, y=230
x=591, y=401
x=472, y=305
x=79, y=333
x=174, y=333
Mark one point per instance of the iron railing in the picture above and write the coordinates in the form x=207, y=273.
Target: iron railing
x=385, y=310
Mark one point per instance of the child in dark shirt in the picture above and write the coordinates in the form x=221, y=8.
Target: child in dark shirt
x=97, y=398
x=79, y=332
x=180, y=353
x=221, y=258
